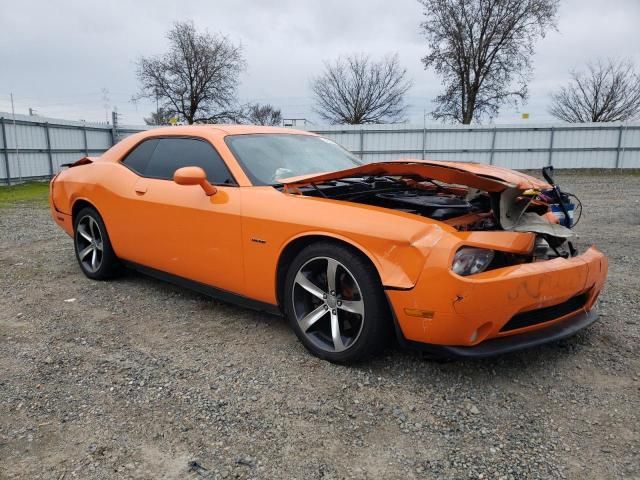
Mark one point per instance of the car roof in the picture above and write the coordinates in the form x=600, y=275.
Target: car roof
x=225, y=129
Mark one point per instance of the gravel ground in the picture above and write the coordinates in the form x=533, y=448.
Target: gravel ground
x=139, y=379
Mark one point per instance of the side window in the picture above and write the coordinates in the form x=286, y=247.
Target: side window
x=173, y=153
x=139, y=157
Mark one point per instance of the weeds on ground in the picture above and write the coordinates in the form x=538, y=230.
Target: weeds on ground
x=35, y=192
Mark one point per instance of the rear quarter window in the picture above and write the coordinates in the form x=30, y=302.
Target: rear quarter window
x=138, y=159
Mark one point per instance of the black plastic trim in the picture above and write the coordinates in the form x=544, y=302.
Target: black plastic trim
x=546, y=314
x=501, y=345
x=513, y=343
x=208, y=290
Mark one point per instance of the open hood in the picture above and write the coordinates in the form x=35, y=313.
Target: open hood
x=477, y=175
x=508, y=205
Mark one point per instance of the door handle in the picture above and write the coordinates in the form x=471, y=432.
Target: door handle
x=141, y=189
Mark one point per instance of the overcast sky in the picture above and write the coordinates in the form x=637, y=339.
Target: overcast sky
x=57, y=56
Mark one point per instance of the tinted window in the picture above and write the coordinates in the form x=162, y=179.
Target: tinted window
x=139, y=157
x=174, y=153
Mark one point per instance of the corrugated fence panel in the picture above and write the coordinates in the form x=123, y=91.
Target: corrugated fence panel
x=520, y=147
x=630, y=138
x=629, y=154
x=66, y=138
x=391, y=141
x=610, y=145
x=629, y=159
x=586, y=138
x=584, y=159
x=31, y=164
x=460, y=156
x=98, y=140
x=457, y=140
x=519, y=138
x=28, y=136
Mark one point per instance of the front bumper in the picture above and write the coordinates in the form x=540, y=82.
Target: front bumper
x=469, y=315
x=513, y=343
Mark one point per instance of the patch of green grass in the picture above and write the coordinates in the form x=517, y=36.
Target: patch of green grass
x=25, y=192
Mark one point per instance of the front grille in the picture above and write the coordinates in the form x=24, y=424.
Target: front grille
x=546, y=314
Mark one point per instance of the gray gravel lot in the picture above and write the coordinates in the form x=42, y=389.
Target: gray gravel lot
x=140, y=379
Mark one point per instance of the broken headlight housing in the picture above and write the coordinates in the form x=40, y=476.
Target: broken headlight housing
x=541, y=249
x=547, y=248
x=470, y=260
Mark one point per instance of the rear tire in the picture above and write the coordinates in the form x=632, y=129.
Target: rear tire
x=335, y=303
x=93, y=249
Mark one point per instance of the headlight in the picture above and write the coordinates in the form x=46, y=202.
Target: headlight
x=469, y=260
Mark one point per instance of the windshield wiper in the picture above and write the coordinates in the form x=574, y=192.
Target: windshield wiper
x=315, y=187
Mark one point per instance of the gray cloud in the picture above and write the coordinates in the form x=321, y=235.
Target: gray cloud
x=57, y=56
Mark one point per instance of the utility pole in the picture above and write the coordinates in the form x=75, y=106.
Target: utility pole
x=114, y=126
x=15, y=139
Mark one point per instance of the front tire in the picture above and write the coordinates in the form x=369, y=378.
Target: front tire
x=335, y=303
x=93, y=249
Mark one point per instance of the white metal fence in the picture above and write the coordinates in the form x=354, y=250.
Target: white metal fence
x=33, y=147
x=594, y=145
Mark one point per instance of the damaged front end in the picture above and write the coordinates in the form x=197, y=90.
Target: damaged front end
x=467, y=197
x=505, y=277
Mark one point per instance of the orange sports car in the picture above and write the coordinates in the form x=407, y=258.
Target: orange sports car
x=464, y=259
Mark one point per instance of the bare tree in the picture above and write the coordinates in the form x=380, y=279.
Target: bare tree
x=160, y=117
x=609, y=91
x=356, y=89
x=197, y=78
x=257, y=114
x=482, y=49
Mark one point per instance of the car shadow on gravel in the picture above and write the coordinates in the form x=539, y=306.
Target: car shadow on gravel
x=205, y=303
x=533, y=364
x=531, y=361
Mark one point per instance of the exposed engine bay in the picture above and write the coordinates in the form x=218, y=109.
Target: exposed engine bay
x=548, y=212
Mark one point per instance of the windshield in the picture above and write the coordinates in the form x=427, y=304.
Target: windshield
x=269, y=157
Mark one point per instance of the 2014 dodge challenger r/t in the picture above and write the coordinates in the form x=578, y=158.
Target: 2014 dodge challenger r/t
x=464, y=259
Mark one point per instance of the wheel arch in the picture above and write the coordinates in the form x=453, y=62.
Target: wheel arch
x=79, y=204
x=297, y=244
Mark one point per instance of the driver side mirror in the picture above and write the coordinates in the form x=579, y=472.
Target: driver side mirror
x=194, y=176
